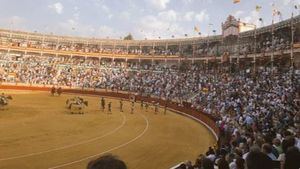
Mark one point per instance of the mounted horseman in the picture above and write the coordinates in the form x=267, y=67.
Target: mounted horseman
x=76, y=105
x=57, y=91
x=4, y=100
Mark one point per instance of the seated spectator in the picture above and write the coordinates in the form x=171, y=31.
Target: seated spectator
x=277, y=146
x=267, y=149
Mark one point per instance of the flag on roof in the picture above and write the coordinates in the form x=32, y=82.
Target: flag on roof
x=258, y=8
x=279, y=13
x=196, y=29
x=236, y=1
x=275, y=11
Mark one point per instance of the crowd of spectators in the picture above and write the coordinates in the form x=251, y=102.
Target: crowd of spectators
x=264, y=46
x=258, y=116
x=88, y=73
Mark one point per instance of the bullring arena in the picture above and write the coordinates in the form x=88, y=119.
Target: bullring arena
x=38, y=131
x=150, y=84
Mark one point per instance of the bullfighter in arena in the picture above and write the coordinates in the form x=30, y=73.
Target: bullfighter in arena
x=109, y=108
x=165, y=108
x=132, y=107
x=146, y=106
x=156, y=108
x=142, y=103
x=102, y=103
x=121, y=105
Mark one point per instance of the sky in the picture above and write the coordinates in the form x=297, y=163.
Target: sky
x=151, y=19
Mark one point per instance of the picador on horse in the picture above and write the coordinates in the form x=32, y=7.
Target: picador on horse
x=57, y=91
x=76, y=105
x=4, y=100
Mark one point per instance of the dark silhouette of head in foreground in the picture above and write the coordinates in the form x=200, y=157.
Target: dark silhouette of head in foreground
x=292, y=158
x=107, y=162
x=257, y=159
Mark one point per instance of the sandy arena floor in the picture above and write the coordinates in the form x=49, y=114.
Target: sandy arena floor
x=38, y=132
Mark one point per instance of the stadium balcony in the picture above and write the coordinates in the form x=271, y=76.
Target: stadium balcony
x=260, y=42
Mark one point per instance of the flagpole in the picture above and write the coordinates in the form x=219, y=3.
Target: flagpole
x=207, y=52
x=11, y=23
x=10, y=34
x=292, y=48
x=272, y=54
x=194, y=46
x=238, y=56
x=255, y=46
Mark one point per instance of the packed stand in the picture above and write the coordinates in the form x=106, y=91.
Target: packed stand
x=258, y=116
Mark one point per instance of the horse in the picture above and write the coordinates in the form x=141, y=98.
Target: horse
x=57, y=91
x=74, y=100
x=78, y=108
x=76, y=103
x=53, y=90
x=4, y=100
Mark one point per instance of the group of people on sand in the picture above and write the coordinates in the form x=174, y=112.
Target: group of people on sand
x=102, y=105
x=145, y=105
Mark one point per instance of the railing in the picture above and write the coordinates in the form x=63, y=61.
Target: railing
x=85, y=54
x=139, y=56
